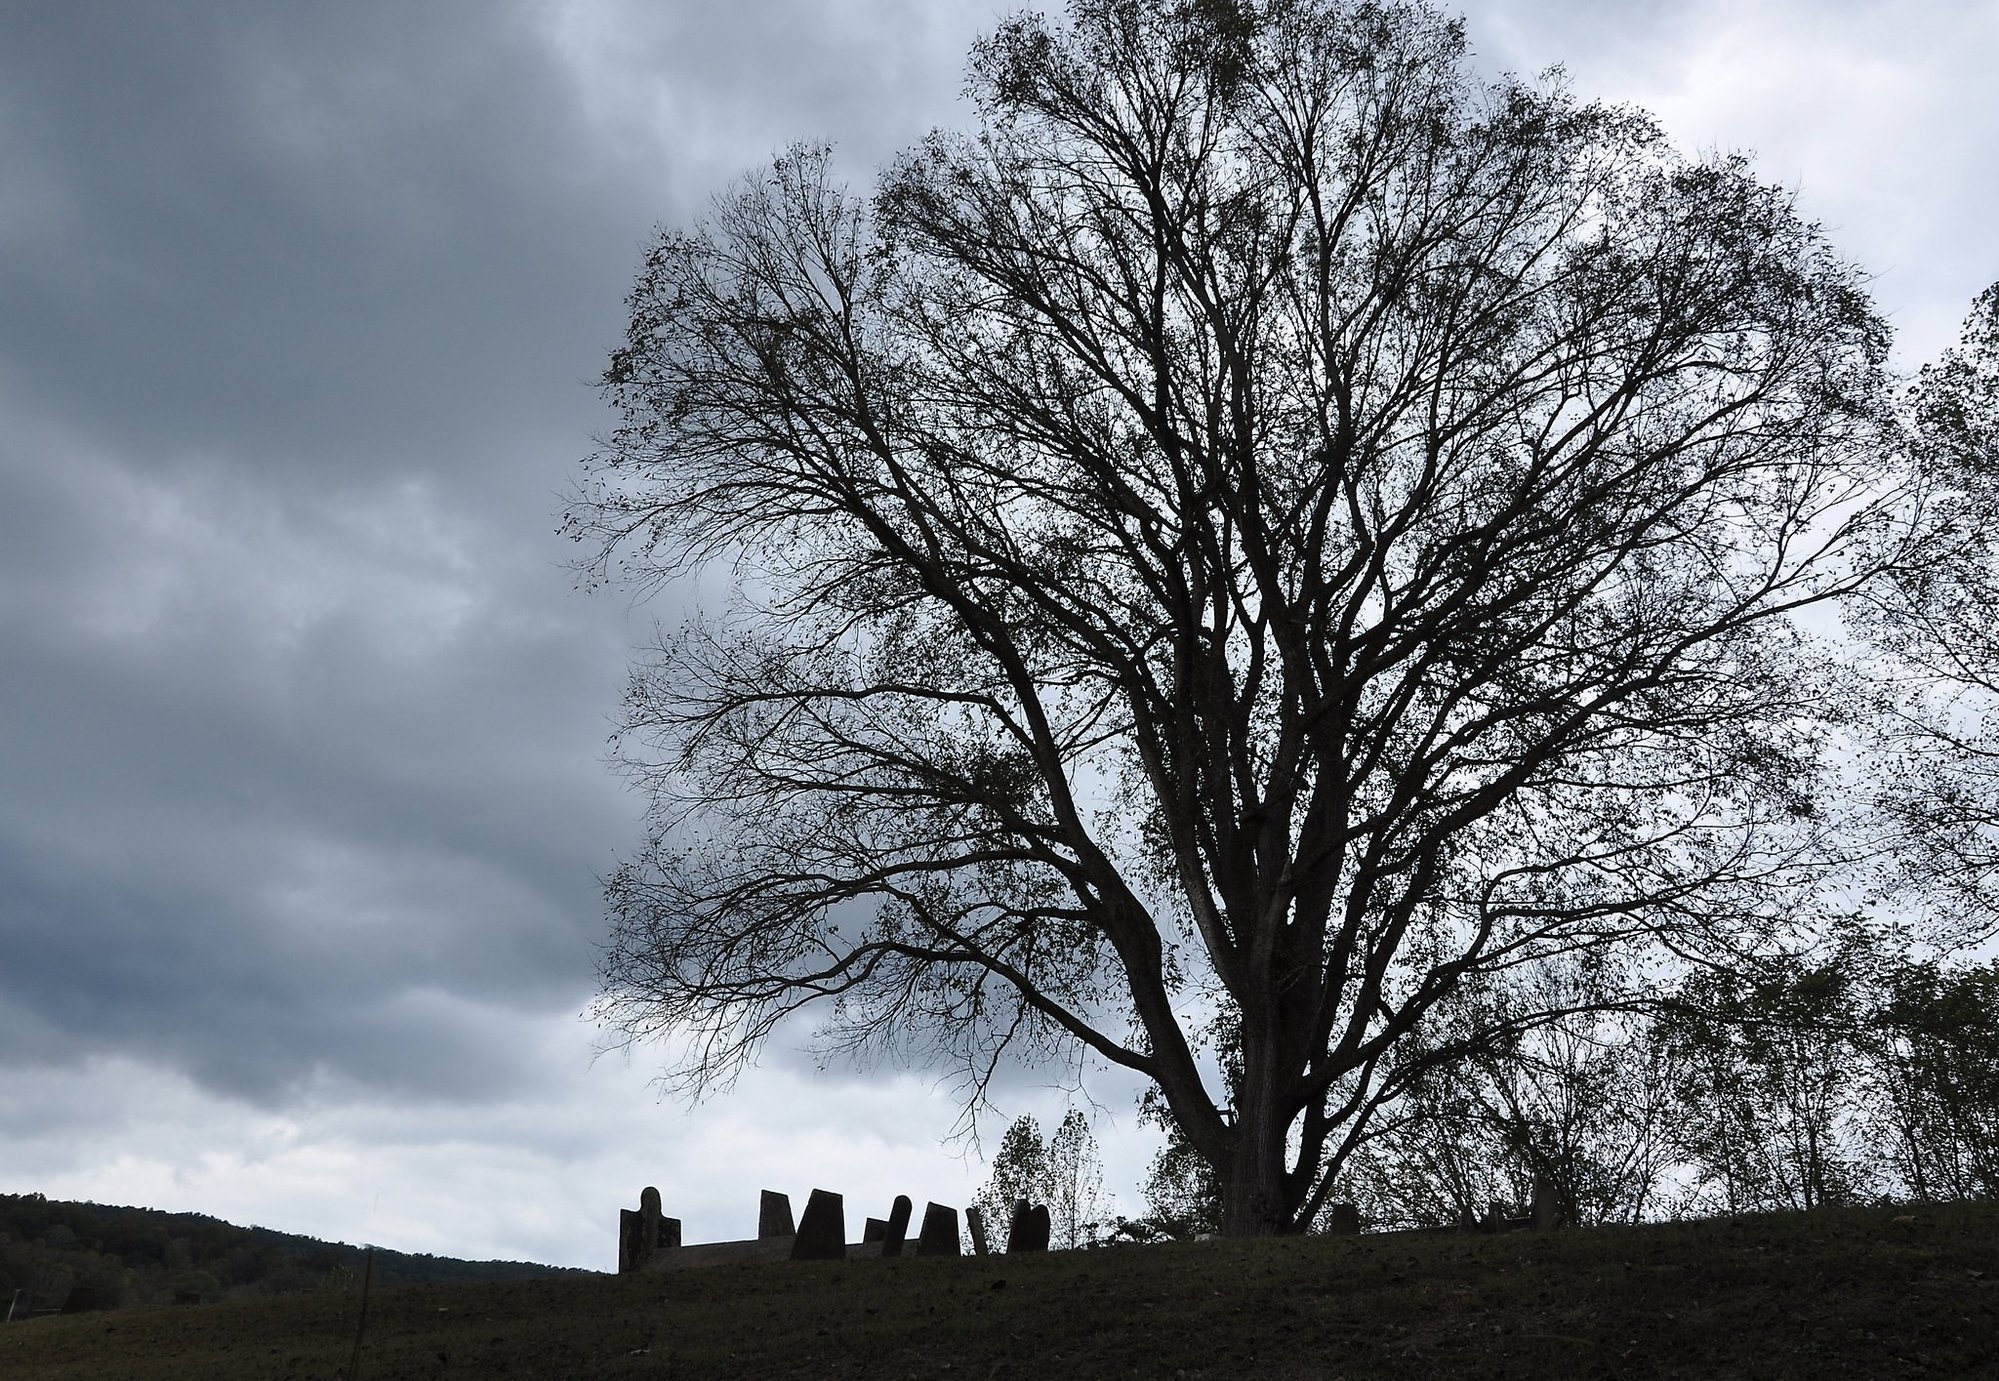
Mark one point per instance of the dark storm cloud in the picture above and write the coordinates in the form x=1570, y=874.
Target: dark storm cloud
x=245, y=859
x=347, y=234
x=188, y=977
x=340, y=241
x=302, y=724
x=301, y=730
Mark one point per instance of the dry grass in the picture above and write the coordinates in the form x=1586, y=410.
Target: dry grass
x=1871, y=1293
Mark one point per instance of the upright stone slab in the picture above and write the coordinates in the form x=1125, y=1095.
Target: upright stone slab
x=1343, y=1220
x=628, y=1241
x=873, y=1230
x=774, y=1215
x=649, y=1216
x=940, y=1232
x=976, y=1221
x=822, y=1232
x=641, y=1235
x=1043, y=1229
x=1016, y=1228
x=1028, y=1232
x=898, y=1226
x=1548, y=1210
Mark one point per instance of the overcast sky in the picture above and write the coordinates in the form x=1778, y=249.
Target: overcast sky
x=302, y=791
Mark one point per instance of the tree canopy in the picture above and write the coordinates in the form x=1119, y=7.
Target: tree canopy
x=1265, y=530
x=1935, y=622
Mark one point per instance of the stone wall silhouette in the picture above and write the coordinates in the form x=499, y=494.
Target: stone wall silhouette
x=648, y=1240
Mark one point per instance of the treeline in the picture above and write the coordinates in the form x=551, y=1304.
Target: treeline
x=136, y=1257
x=1847, y=1077
x=1856, y=1074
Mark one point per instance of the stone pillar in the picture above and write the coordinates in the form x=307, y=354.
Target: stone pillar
x=774, y=1215
x=649, y=1216
x=940, y=1232
x=976, y=1221
x=898, y=1226
x=822, y=1232
x=628, y=1241
x=1343, y=1220
x=1549, y=1210
x=643, y=1234
x=1028, y=1232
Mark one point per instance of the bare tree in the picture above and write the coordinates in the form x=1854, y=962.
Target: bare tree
x=1263, y=531
x=1077, y=1208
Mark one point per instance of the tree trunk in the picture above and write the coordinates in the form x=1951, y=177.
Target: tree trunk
x=1252, y=1183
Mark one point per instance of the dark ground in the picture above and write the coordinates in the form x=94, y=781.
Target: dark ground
x=1876, y=1292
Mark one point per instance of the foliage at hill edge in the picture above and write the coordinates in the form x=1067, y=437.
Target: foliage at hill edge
x=142, y=1256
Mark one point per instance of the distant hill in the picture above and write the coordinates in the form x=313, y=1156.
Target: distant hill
x=143, y=1256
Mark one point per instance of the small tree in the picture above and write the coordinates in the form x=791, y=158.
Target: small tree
x=1580, y=1100
x=1076, y=1204
x=1062, y=1173
x=1019, y=1170
x=1935, y=1103
x=1181, y=1197
x=1769, y=1083
x=1431, y=1161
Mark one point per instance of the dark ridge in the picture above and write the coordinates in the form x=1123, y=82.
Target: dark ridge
x=134, y=1257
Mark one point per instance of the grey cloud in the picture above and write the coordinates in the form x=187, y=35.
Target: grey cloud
x=374, y=235
x=255, y=993
x=338, y=235
x=217, y=822
x=302, y=722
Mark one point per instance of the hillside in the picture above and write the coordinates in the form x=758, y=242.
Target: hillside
x=1888, y=1292
x=136, y=1257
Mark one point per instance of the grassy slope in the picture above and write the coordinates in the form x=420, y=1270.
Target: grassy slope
x=1838, y=1293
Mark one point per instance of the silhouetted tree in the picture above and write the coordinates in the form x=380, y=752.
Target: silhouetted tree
x=1934, y=1105
x=1769, y=1080
x=1064, y=1173
x=1938, y=620
x=1076, y=1204
x=1181, y=1197
x=1019, y=1170
x=1265, y=531
x=1582, y=1099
